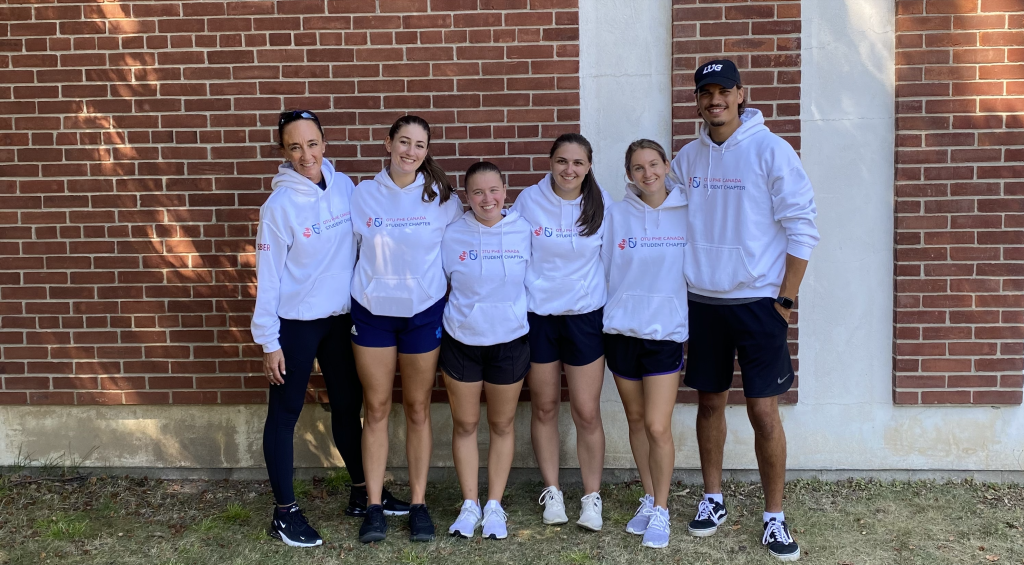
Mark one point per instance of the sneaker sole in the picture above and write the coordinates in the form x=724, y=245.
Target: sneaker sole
x=790, y=557
x=635, y=532
x=459, y=534
x=396, y=512
x=372, y=537
x=590, y=528
x=422, y=537
x=655, y=545
x=278, y=535
x=707, y=532
x=496, y=536
x=556, y=522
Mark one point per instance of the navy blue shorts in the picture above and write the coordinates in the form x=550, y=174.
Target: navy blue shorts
x=418, y=334
x=633, y=358
x=755, y=332
x=500, y=364
x=573, y=339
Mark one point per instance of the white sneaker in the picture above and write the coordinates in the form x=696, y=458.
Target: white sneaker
x=638, y=523
x=658, y=529
x=590, y=513
x=554, y=506
x=495, y=521
x=469, y=518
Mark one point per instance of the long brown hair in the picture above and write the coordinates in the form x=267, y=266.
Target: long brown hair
x=433, y=174
x=592, y=210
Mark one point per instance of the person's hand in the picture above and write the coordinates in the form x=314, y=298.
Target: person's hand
x=785, y=313
x=273, y=367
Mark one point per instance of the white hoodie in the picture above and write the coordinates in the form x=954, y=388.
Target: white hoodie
x=565, y=275
x=399, y=270
x=750, y=203
x=643, y=255
x=304, y=252
x=487, y=267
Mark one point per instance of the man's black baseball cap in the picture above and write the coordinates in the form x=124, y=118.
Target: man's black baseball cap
x=719, y=71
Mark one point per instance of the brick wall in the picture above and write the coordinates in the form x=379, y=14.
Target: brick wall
x=959, y=306
x=137, y=143
x=763, y=38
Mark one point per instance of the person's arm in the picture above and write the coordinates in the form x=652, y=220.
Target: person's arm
x=271, y=252
x=795, y=268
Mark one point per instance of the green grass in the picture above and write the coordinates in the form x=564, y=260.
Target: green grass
x=132, y=521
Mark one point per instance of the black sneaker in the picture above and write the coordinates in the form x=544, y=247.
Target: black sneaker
x=778, y=541
x=375, y=525
x=357, y=501
x=421, y=527
x=710, y=515
x=290, y=526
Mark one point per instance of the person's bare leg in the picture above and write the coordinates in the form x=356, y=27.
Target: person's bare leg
x=659, y=400
x=770, y=447
x=464, y=399
x=632, y=395
x=502, y=401
x=545, y=384
x=711, y=431
x=585, y=404
x=418, y=373
x=376, y=367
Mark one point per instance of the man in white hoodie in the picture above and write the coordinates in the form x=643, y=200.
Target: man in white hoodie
x=751, y=232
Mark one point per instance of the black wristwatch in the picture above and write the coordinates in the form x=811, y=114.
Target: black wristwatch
x=785, y=302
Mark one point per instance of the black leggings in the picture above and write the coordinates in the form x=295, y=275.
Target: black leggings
x=328, y=341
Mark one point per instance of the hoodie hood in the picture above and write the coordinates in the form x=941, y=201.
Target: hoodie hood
x=751, y=122
x=383, y=178
x=487, y=268
x=675, y=199
x=288, y=177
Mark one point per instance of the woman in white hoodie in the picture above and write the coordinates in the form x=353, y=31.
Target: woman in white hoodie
x=398, y=292
x=645, y=322
x=304, y=257
x=565, y=293
x=484, y=346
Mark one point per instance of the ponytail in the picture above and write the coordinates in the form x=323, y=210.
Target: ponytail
x=433, y=174
x=592, y=209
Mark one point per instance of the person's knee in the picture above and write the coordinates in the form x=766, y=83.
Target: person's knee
x=501, y=427
x=417, y=413
x=658, y=432
x=376, y=411
x=465, y=427
x=764, y=418
x=545, y=411
x=588, y=420
x=710, y=407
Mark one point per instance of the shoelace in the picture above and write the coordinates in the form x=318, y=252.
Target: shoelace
x=590, y=502
x=495, y=512
x=658, y=521
x=645, y=508
x=776, y=532
x=704, y=510
x=420, y=517
x=550, y=494
x=468, y=510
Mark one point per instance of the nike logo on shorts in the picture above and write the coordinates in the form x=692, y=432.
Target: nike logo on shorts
x=782, y=380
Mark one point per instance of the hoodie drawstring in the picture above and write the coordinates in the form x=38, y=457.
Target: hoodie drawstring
x=504, y=268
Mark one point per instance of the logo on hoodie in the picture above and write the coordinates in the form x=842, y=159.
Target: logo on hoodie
x=375, y=222
x=695, y=182
x=548, y=232
x=316, y=229
x=462, y=256
x=472, y=255
x=307, y=233
x=631, y=242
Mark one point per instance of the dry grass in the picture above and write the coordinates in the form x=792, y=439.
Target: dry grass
x=137, y=521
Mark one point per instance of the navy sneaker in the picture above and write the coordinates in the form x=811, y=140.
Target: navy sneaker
x=375, y=525
x=290, y=526
x=357, y=501
x=710, y=515
x=421, y=527
x=778, y=541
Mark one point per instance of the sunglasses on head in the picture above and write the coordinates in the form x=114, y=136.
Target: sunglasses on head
x=297, y=115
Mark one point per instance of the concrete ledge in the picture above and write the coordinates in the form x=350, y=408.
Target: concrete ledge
x=569, y=477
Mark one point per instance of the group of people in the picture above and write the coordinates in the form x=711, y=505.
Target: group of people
x=707, y=248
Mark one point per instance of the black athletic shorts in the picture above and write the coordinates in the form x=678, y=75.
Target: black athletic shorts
x=573, y=339
x=502, y=364
x=754, y=332
x=633, y=358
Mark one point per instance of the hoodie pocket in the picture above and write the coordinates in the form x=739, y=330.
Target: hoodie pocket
x=326, y=296
x=651, y=316
x=560, y=296
x=396, y=296
x=716, y=268
x=489, y=324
